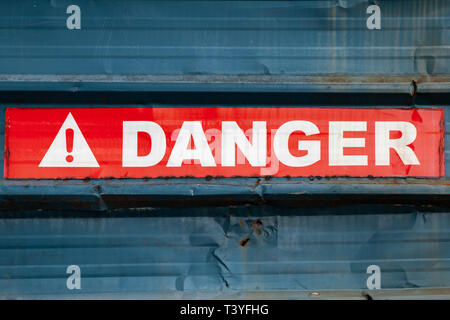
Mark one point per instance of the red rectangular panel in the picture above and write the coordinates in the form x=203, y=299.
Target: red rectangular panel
x=198, y=142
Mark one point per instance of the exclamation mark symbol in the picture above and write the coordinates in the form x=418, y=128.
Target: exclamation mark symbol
x=69, y=144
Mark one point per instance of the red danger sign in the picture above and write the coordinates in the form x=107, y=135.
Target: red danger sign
x=227, y=142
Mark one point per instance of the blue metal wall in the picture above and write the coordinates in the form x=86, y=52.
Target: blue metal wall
x=227, y=252
x=224, y=45
x=190, y=238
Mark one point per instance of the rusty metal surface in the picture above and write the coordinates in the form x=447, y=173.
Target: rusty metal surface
x=226, y=83
x=103, y=195
x=237, y=238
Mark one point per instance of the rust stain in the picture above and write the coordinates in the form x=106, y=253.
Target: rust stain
x=257, y=223
x=244, y=242
x=377, y=79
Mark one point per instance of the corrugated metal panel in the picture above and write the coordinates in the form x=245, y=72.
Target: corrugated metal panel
x=226, y=251
x=237, y=238
x=225, y=45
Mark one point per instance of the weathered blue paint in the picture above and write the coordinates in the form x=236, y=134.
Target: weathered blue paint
x=225, y=45
x=200, y=251
x=216, y=237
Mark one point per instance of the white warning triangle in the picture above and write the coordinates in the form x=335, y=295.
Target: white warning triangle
x=58, y=154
